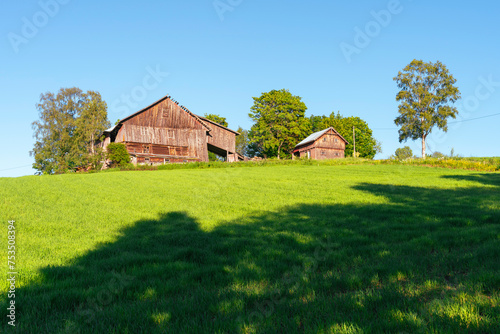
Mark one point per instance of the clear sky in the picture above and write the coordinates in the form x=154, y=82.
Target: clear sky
x=214, y=56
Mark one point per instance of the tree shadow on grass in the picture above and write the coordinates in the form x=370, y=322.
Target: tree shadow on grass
x=492, y=179
x=425, y=261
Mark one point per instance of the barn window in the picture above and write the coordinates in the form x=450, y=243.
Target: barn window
x=324, y=138
x=164, y=111
x=336, y=140
x=323, y=153
x=145, y=149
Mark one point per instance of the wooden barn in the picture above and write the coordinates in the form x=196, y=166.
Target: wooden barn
x=325, y=144
x=167, y=132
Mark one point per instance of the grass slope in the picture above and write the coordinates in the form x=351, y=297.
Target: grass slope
x=315, y=249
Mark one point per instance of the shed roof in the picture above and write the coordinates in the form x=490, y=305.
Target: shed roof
x=313, y=137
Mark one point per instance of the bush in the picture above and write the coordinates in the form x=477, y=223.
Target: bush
x=118, y=154
x=404, y=153
x=438, y=155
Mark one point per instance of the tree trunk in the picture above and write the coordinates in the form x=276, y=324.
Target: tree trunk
x=279, y=150
x=423, y=146
x=92, y=144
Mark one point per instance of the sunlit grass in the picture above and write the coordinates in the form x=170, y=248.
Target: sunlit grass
x=285, y=248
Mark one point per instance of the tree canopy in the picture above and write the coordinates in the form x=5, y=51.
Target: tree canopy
x=280, y=123
x=217, y=119
x=70, y=124
x=366, y=145
x=242, y=141
x=427, y=90
x=316, y=123
x=403, y=153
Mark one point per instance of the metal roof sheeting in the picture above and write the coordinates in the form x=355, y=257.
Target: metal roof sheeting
x=317, y=135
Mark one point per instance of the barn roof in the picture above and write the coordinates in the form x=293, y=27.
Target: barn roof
x=220, y=126
x=313, y=137
x=111, y=128
x=201, y=120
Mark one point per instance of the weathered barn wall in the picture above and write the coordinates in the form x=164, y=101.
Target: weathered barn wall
x=221, y=138
x=165, y=114
x=329, y=146
x=170, y=130
x=167, y=132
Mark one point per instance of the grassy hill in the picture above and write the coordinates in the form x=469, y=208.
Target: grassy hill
x=297, y=248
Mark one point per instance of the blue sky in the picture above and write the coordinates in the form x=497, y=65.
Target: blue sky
x=214, y=56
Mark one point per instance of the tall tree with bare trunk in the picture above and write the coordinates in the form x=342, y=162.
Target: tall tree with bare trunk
x=427, y=92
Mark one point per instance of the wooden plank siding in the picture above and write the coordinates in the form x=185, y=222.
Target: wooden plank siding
x=166, y=132
x=222, y=138
x=328, y=146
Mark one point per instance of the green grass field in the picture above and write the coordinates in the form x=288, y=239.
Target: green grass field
x=288, y=249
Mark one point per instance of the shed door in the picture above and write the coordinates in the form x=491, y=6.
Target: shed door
x=308, y=154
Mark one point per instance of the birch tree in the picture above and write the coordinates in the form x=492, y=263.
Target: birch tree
x=65, y=135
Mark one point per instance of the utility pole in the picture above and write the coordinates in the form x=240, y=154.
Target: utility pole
x=354, y=141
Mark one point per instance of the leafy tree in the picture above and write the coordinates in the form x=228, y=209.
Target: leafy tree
x=118, y=154
x=90, y=124
x=377, y=147
x=254, y=150
x=316, y=123
x=214, y=157
x=67, y=129
x=242, y=141
x=280, y=123
x=403, y=153
x=427, y=90
x=217, y=119
x=366, y=145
